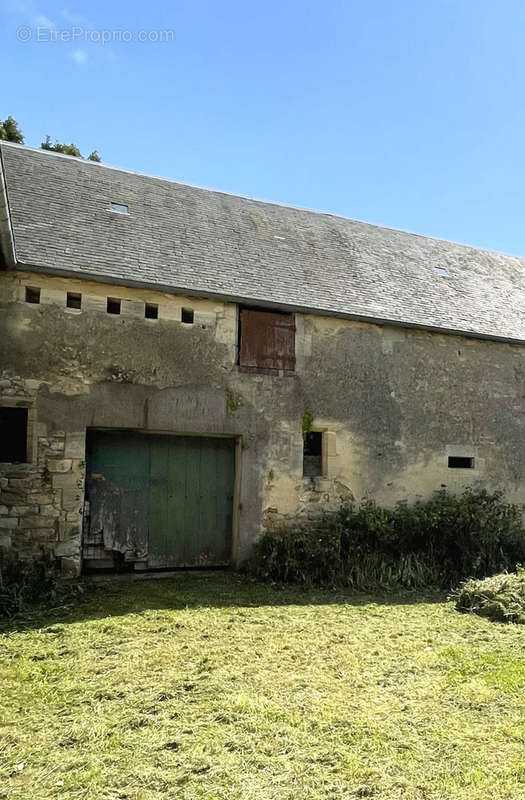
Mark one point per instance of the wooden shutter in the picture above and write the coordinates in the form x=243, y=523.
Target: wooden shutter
x=267, y=340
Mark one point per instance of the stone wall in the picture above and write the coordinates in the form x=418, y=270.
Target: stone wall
x=41, y=501
x=392, y=404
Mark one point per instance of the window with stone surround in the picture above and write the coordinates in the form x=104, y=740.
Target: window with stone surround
x=313, y=454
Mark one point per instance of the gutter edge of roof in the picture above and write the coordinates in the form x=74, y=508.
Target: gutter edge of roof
x=7, y=235
x=170, y=289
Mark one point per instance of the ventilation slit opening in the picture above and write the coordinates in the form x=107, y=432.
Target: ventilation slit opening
x=113, y=306
x=151, y=311
x=32, y=294
x=74, y=300
x=460, y=462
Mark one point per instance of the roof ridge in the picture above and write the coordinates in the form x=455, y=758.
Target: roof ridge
x=428, y=237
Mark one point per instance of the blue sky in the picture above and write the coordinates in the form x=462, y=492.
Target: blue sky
x=406, y=114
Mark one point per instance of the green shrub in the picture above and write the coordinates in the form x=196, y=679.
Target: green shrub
x=32, y=583
x=500, y=598
x=432, y=543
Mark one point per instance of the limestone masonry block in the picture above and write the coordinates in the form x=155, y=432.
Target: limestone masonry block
x=36, y=521
x=9, y=523
x=67, y=530
x=59, y=465
x=20, y=483
x=57, y=445
x=49, y=511
x=75, y=445
x=65, y=480
x=41, y=499
x=71, y=499
x=44, y=536
x=11, y=498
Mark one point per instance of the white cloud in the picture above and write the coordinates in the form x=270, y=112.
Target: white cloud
x=32, y=14
x=72, y=18
x=79, y=56
x=40, y=21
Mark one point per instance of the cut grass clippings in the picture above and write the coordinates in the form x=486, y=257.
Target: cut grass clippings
x=500, y=597
x=212, y=687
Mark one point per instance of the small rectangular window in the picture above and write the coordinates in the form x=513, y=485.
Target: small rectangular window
x=187, y=315
x=151, y=311
x=118, y=208
x=113, y=306
x=460, y=462
x=74, y=300
x=313, y=454
x=13, y=434
x=32, y=294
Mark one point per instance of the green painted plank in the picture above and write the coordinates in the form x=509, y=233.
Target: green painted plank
x=192, y=501
x=225, y=489
x=177, y=487
x=158, y=523
x=208, y=483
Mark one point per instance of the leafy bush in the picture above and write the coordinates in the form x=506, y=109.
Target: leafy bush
x=432, y=543
x=500, y=598
x=24, y=584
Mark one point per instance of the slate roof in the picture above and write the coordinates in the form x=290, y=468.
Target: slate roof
x=197, y=241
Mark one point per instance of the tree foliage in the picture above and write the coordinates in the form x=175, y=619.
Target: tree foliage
x=67, y=149
x=60, y=147
x=10, y=132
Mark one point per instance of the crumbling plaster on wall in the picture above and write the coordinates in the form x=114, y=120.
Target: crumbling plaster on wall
x=391, y=402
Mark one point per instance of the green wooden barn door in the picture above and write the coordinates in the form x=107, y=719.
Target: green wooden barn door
x=167, y=500
x=117, y=488
x=190, y=501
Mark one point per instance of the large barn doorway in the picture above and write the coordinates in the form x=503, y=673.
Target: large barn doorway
x=158, y=501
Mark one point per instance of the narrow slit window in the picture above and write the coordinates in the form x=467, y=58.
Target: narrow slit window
x=113, y=306
x=13, y=434
x=187, y=315
x=313, y=454
x=460, y=462
x=151, y=311
x=74, y=300
x=32, y=294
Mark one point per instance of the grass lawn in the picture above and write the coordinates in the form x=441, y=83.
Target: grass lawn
x=209, y=687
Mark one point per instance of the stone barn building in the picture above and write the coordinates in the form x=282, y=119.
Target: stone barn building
x=181, y=369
